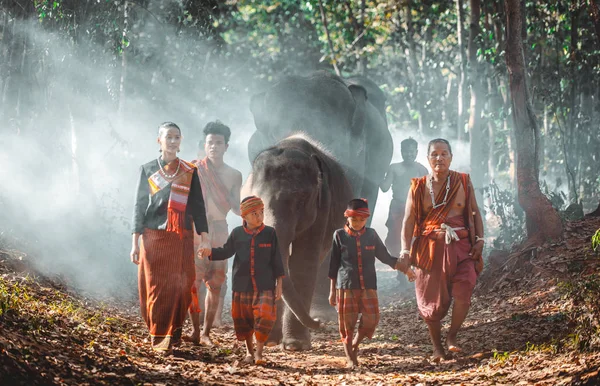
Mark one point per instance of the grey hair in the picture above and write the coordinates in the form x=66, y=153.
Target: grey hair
x=439, y=140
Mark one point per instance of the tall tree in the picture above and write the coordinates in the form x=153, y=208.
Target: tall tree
x=460, y=34
x=542, y=220
x=478, y=162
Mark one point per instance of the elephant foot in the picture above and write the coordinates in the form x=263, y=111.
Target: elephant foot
x=296, y=345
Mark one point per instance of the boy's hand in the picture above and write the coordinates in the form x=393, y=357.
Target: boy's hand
x=332, y=299
x=204, y=252
x=278, y=291
x=401, y=265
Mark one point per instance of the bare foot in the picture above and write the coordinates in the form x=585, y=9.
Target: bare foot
x=206, y=341
x=164, y=353
x=194, y=338
x=249, y=359
x=452, y=345
x=351, y=363
x=355, y=349
x=258, y=360
x=438, y=355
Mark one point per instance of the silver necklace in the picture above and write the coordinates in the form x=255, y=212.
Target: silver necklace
x=430, y=180
x=169, y=176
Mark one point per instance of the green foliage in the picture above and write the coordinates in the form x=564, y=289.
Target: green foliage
x=596, y=240
x=584, y=310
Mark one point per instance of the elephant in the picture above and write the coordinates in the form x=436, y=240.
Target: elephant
x=346, y=116
x=305, y=192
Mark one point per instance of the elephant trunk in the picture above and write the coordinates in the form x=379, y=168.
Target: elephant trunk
x=292, y=300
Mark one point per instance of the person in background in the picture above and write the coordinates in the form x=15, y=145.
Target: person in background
x=221, y=185
x=398, y=178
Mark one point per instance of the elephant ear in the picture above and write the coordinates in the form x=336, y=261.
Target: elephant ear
x=359, y=93
x=257, y=107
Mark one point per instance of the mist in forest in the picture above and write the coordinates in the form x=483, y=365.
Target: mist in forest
x=70, y=166
x=84, y=86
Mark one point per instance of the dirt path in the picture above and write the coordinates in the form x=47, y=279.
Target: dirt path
x=516, y=334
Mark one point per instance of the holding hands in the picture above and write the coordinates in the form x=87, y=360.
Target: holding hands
x=403, y=265
x=204, y=249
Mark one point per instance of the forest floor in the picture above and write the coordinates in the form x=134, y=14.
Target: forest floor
x=517, y=333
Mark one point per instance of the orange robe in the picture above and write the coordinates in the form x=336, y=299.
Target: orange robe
x=445, y=270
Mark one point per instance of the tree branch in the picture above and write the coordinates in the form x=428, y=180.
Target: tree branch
x=324, y=20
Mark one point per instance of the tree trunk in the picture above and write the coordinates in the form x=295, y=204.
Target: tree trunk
x=476, y=138
x=460, y=119
x=122, y=96
x=595, y=13
x=542, y=220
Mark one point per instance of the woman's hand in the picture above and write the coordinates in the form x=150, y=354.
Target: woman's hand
x=135, y=254
x=332, y=299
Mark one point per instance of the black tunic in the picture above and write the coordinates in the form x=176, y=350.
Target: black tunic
x=257, y=263
x=151, y=211
x=350, y=271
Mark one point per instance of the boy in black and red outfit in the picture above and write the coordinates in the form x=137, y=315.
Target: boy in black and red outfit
x=353, y=278
x=257, y=277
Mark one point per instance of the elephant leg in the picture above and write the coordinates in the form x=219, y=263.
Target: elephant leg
x=321, y=308
x=304, y=265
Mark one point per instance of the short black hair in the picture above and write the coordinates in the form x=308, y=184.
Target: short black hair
x=167, y=125
x=439, y=140
x=410, y=141
x=219, y=128
x=357, y=203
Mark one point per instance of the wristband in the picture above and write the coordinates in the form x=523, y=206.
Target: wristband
x=405, y=252
x=478, y=239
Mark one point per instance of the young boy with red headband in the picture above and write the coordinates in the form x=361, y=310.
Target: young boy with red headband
x=353, y=278
x=257, y=277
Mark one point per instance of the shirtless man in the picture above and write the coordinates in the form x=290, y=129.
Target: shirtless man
x=221, y=186
x=443, y=238
x=398, y=178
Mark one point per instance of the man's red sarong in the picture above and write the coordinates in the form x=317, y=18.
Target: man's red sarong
x=446, y=271
x=165, y=275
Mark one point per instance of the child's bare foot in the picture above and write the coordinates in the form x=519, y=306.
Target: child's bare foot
x=351, y=363
x=206, y=341
x=355, y=349
x=258, y=360
x=194, y=338
x=248, y=360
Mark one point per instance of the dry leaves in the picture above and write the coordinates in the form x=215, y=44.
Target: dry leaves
x=513, y=335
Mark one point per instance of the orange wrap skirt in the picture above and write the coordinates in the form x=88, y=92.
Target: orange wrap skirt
x=165, y=276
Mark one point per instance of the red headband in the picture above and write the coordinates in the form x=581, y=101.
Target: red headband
x=250, y=205
x=361, y=212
